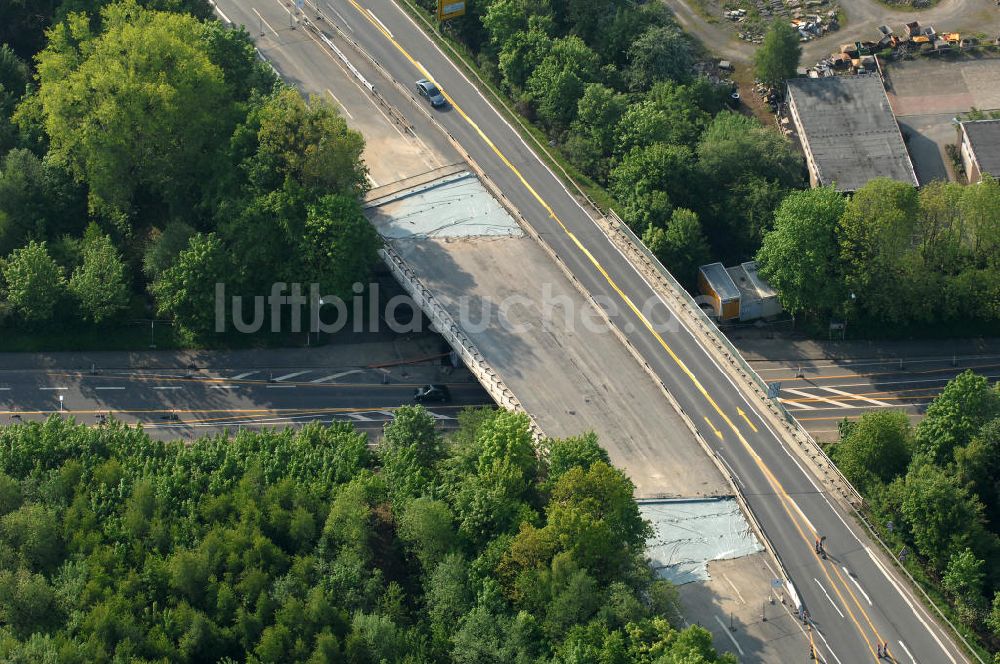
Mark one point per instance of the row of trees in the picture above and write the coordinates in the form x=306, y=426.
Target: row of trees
x=305, y=546
x=613, y=83
x=889, y=253
x=936, y=489
x=151, y=152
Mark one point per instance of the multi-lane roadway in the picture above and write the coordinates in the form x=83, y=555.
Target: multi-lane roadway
x=181, y=403
x=854, y=600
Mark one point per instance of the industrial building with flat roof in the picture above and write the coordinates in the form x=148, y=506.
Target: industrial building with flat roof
x=981, y=148
x=848, y=131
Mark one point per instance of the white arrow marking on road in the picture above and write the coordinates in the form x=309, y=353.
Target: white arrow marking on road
x=857, y=584
x=834, y=390
x=907, y=651
x=291, y=375
x=828, y=596
x=731, y=637
x=839, y=404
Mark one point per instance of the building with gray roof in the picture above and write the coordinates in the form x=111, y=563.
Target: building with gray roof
x=848, y=131
x=981, y=148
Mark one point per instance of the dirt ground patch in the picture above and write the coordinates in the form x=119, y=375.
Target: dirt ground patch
x=862, y=19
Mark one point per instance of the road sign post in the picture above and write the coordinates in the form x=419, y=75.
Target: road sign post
x=449, y=9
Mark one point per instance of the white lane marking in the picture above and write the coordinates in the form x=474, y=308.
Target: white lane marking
x=801, y=393
x=291, y=375
x=802, y=514
x=733, y=473
x=729, y=634
x=342, y=19
x=223, y=387
x=869, y=599
x=167, y=388
x=735, y=589
x=836, y=608
x=343, y=107
x=438, y=416
x=219, y=10
x=827, y=644
x=53, y=388
x=244, y=375
x=4, y=389
x=262, y=20
x=360, y=418
x=337, y=375
x=109, y=388
x=372, y=14
x=907, y=651
x=906, y=598
x=843, y=393
x=280, y=387
x=287, y=10
x=795, y=404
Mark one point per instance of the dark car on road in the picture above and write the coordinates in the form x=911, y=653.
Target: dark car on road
x=432, y=393
x=429, y=91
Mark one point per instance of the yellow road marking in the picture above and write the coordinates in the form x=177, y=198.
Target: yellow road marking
x=717, y=432
x=631, y=305
x=744, y=416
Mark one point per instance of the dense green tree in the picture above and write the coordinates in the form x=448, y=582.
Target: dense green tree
x=963, y=581
x=875, y=235
x=778, y=57
x=449, y=596
x=164, y=247
x=940, y=514
x=34, y=283
x=965, y=405
x=187, y=289
x=877, y=450
x=591, y=136
x=427, y=526
x=557, y=84
x=14, y=77
x=38, y=201
x=521, y=55
x=564, y=454
x=681, y=246
x=338, y=246
x=661, y=53
x=285, y=137
x=649, y=181
x=799, y=257
x=100, y=283
x=978, y=465
x=120, y=118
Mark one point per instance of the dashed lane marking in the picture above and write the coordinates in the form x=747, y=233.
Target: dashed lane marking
x=294, y=374
x=244, y=375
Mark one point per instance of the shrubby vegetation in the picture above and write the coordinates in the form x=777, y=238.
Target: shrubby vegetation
x=306, y=546
x=613, y=84
x=889, y=254
x=939, y=486
x=147, y=151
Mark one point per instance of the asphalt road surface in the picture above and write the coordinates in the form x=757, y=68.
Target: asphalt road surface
x=181, y=404
x=853, y=600
x=821, y=394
